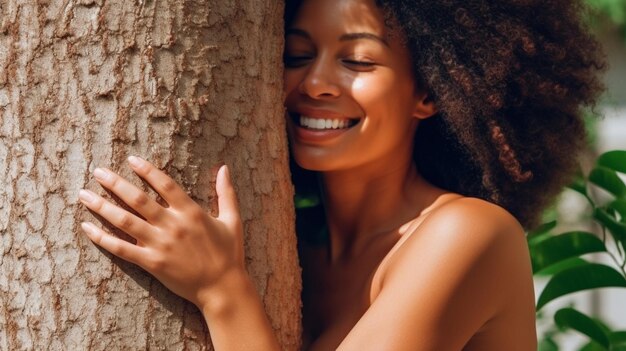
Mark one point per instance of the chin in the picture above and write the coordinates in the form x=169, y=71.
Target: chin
x=312, y=161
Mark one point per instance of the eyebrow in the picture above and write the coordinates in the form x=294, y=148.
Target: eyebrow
x=344, y=37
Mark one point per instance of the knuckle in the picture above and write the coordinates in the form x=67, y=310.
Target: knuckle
x=145, y=170
x=114, y=180
x=196, y=213
x=98, y=204
x=117, y=249
x=139, y=200
x=98, y=237
x=178, y=233
x=125, y=221
x=168, y=185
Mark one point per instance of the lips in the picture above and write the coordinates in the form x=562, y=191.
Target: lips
x=322, y=120
x=316, y=126
x=314, y=123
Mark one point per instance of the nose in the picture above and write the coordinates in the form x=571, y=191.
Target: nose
x=321, y=80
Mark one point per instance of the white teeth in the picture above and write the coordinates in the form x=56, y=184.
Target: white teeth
x=318, y=123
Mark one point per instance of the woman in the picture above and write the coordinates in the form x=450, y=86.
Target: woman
x=438, y=131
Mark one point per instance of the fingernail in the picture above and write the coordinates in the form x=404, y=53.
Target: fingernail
x=134, y=161
x=86, y=196
x=100, y=174
x=87, y=227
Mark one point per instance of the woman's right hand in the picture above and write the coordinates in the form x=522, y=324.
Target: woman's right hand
x=191, y=252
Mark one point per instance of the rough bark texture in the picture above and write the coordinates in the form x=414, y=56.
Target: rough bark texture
x=186, y=84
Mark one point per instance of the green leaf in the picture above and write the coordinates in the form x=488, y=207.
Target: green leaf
x=618, y=340
x=541, y=231
x=579, y=184
x=561, y=247
x=538, y=238
x=573, y=319
x=547, y=345
x=544, y=228
x=593, y=346
x=615, y=160
x=579, y=278
x=306, y=201
x=561, y=266
x=619, y=205
x=608, y=180
x=616, y=228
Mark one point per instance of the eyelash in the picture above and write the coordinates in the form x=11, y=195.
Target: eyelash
x=360, y=63
x=296, y=61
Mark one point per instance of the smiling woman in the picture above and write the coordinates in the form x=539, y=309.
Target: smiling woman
x=356, y=73
x=434, y=134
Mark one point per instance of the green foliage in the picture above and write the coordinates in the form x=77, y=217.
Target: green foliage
x=578, y=278
x=559, y=256
x=608, y=180
x=612, y=10
x=615, y=10
x=559, y=248
x=615, y=160
x=570, y=318
x=309, y=201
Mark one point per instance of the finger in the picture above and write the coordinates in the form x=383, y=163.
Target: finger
x=120, y=248
x=122, y=219
x=226, y=197
x=173, y=194
x=130, y=194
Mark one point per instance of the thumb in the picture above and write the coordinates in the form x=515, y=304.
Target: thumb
x=228, y=208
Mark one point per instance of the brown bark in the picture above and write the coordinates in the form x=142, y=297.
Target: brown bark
x=186, y=84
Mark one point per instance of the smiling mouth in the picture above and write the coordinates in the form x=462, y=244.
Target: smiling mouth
x=321, y=124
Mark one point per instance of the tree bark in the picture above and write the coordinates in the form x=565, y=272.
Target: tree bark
x=186, y=84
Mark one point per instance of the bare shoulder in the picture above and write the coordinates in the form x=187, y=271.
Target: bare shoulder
x=474, y=236
x=465, y=265
x=473, y=215
x=468, y=227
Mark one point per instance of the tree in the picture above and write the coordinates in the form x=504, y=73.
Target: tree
x=185, y=84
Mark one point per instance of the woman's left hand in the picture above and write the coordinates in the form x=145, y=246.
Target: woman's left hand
x=182, y=245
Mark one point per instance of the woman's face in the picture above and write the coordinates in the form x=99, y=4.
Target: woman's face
x=350, y=91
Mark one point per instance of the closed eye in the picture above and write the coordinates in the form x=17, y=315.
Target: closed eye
x=295, y=61
x=360, y=66
x=301, y=60
x=360, y=63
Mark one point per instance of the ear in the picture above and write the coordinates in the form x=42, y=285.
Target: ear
x=424, y=107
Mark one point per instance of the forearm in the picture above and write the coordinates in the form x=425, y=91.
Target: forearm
x=236, y=317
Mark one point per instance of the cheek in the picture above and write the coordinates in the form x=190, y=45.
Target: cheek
x=373, y=92
x=290, y=82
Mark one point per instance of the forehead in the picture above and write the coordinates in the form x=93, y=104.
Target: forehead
x=342, y=15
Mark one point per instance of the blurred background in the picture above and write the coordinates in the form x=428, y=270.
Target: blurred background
x=608, y=132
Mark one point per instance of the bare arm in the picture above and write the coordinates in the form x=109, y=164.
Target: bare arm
x=236, y=317
x=458, y=271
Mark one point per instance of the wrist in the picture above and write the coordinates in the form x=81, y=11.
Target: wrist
x=236, y=317
x=221, y=299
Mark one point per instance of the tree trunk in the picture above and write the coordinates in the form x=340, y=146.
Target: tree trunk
x=186, y=84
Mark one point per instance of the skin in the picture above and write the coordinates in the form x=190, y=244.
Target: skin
x=408, y=266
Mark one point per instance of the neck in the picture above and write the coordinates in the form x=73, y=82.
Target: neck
x=361, y=204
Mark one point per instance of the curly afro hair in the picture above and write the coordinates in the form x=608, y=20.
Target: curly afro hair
x=510, y=79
